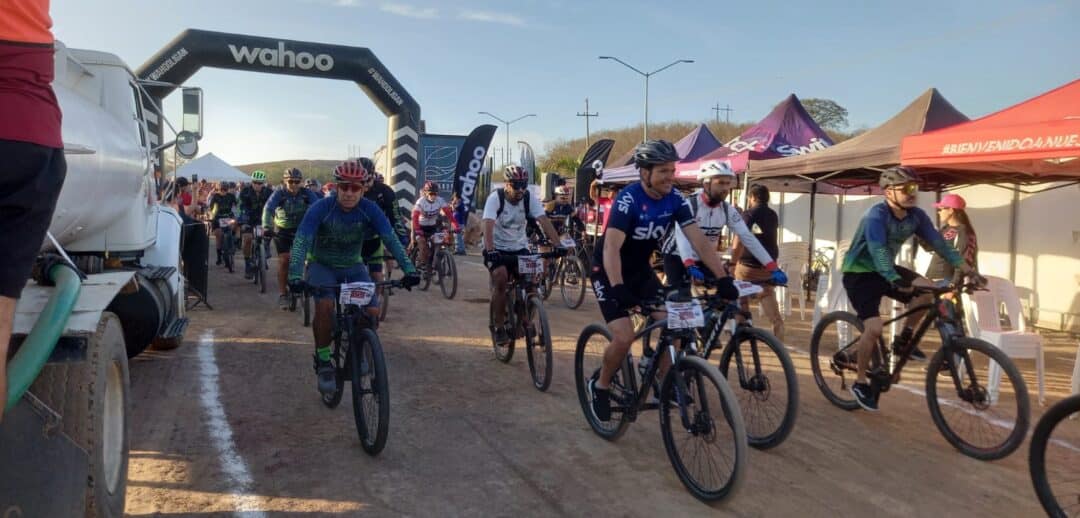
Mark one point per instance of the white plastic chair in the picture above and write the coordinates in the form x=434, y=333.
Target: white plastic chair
x=831, y=295
x=982, y=316
x=793, y=258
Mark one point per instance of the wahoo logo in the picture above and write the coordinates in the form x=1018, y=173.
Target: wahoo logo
x=282, y=58
x=653, y=231
x=468, y=180
x=815, y=144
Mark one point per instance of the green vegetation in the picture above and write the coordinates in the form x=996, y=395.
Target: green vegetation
x=321, y=170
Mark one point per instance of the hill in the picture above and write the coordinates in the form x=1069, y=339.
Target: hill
x=320, y=170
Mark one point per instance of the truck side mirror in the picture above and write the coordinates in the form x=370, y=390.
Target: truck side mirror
x=193, y=107
x=187, y=144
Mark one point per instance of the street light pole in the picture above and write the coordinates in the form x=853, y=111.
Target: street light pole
x=646, y=75
x=507, y=123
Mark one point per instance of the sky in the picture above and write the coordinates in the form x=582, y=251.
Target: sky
x=512, y=58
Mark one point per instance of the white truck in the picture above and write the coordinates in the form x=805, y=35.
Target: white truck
x=64, y=438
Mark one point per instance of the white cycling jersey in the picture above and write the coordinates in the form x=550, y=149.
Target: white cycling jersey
x=429, y=210
x=712, y=220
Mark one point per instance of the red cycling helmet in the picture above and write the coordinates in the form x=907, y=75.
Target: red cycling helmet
x=430, y=186
x=351, y=172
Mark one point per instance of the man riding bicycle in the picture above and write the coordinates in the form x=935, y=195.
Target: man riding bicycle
x=281, y=216
x=869, y=272
x=220, y=204
x=383, y=196
x=641, y=213
x=506, y=214
x=425, y=222
x=333, y=231
x=252, y=200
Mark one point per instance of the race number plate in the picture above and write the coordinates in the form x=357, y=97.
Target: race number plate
x=567, y=242
x=358, y=293
x=748, y=288
x=439, y=238
x=529, y=264
x=684, y=315
x=225, y=222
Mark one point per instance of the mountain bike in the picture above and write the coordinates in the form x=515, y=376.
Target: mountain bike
x=957, y=378
x=357, y=357
x=698, y=410
x=568, y=273
x=260, y=250
x=526, y=318
x=1055, y=463
x=228, y=245
x=443, y=264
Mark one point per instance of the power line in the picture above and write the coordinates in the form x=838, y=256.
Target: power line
x=727, y=113
x=587, y=116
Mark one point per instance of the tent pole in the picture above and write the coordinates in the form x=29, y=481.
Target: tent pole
x=1014, y=209
x=810, y=241
x=780, y=217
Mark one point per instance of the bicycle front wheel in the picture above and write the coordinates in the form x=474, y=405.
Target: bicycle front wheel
x=1054, y=458
x=761, y=375
x=572, y=281
x=447, y=274
x=837, y=332
x=976, y=416
x=538, y=344
x=708, y=448
x=370, y=391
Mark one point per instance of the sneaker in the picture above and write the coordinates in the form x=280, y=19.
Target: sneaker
x=327, y=376
x=249, y=269
x=864, y=396
x=501, y=336
x=283, y=302
x=601, y=402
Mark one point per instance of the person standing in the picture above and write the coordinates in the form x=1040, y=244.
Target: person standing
x=32, y=165
x=762, y=222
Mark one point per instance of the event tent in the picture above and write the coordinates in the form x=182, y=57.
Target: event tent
x=211, y=168
x=1035, y=141
x=691, y=148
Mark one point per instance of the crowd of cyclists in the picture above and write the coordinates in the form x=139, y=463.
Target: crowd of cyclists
x=648, y=241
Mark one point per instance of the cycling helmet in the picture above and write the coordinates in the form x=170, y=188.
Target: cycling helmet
x=311, y=183
x=714, y=168
x=351, y=172
x=598, y=166
x=379, y=178
x=258, y=176
x=897, y=175
x=515, y=172
x=293, y=173
x=653, y=152
x=562, y=190
x=367, y=164
x=430, y=186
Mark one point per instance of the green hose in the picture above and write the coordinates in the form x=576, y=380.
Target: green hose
x=38, y=346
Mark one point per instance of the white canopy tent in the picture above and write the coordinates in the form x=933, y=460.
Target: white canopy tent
x=212, y=169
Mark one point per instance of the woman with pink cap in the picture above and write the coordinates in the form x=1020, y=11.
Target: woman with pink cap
x=957, y=230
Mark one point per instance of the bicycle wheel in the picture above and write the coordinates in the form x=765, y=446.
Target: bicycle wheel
x=538, y=344
x=338, y=360
x=572, y=282
x=588, y=357
x=227, y=253
x=370, y=391
x=447, y=274
x=763, y=379
x=836, y=331
x=980, y=424
x=1053, y=461
x=710, y=455
x=505, y=351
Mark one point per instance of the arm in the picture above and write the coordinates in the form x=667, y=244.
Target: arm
x=875, y=244
x=268, y=210
x=968, y=249
x=449, y=213
x=702, y=244
x=684, y=248
x=415, y=222
x=549, y=230
x=305, y=238
x=613, y=241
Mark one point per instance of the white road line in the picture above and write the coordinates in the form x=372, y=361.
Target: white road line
x=231, y=463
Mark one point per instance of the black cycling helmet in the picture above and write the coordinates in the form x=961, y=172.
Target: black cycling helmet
x=311, y=183
x=367, y=164
x=897, y=175
x=293, y=173
x=652, y=152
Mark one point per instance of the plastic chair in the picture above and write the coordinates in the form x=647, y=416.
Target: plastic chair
x=830, y=294
x=793, y=258
x=983, y=318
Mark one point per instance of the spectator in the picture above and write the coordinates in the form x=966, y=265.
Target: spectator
x=957, y=230
x=462, y=219
x=762, y=222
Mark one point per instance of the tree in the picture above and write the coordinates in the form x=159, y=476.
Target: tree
x=827, y=113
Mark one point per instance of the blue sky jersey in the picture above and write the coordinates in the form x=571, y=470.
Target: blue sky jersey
x=880, y=235
x=335, y=237
x=645, y=222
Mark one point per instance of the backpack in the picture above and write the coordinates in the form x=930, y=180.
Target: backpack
x=529, y=220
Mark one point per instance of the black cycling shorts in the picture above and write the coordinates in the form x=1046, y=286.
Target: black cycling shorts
x=283, y=239
x=31, y=177
x=643, y=286
x=865, y=290
x=509, y=260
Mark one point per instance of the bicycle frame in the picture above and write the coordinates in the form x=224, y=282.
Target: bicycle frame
x=666, y=344
x=715, y=326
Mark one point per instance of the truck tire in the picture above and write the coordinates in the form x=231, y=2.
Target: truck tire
x=93, y=398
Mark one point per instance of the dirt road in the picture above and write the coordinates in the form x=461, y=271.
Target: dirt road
x=231, y=423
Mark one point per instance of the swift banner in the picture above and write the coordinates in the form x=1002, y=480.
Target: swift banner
x=470, y=162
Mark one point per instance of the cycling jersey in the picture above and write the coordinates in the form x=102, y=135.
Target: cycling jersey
x=251, y=204
x=880, y=235
x=384, y=197
x=426, y=212
x=559, y=216
x=645, y=221
x=509, y=232
x=221, y=205
x=712, y=221
x=334, y=237
x=285, y=210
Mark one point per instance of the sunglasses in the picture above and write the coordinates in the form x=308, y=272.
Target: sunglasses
x=908, y=189
x=350, y=187
x=293, y=182
x=519, y=184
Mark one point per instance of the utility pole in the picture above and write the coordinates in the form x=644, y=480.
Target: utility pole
x=727, y=113
x=587, y=115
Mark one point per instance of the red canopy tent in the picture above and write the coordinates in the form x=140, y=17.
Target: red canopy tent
x=1035, y=141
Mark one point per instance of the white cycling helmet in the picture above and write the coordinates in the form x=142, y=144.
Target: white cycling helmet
x=562, y=190
x=715, y=168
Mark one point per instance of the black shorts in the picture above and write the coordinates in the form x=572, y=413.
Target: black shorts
x=509, y=260
x=865, y=290
x=283, y=239
x=643, y=286
x=31, y=177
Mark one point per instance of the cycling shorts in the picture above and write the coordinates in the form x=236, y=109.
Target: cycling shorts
x=323, y=278
x=865, y=290
x=283, y=239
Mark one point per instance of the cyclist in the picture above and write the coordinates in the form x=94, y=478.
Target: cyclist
x=220, y=204
x=312, y=185
x=641, y=213
x=383, y=196
x=333, y=231
x=507, y=211
x=282, y=215
x=426, y=222
x=869, y=272
x=252, y=200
